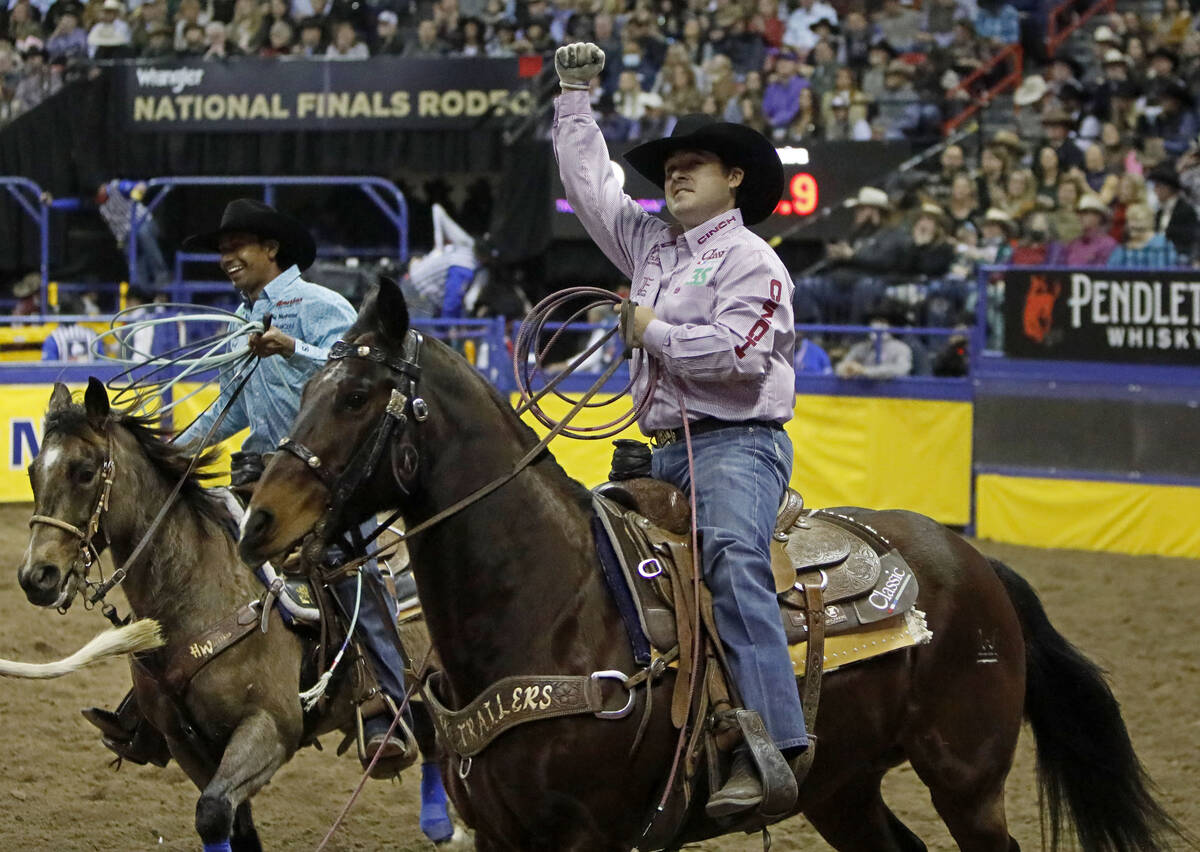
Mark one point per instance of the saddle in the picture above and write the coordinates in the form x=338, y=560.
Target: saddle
x=845, y=594
x=865, y=582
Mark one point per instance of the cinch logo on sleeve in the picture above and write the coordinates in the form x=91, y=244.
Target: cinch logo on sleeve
x=23, y=441
x=716, y=229
x=764, y=322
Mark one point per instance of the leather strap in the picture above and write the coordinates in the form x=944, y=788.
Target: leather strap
x=187, y=659
x=311, y=459
x=815, y=658
x=512, y=701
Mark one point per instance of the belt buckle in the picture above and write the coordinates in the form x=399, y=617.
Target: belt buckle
x=663, y=437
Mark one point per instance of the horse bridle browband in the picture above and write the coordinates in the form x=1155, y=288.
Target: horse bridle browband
x=89, y=553
x=391, y=424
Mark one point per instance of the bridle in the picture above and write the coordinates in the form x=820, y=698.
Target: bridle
x=89, y=550
x=390, y=427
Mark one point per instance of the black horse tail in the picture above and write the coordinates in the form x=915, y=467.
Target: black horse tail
x=1087, y=769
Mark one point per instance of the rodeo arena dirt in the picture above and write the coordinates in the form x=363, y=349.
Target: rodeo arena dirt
x=391, y=260
x=1134, y=615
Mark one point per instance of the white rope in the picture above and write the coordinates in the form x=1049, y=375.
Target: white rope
x=150, y=377
x=311, y=696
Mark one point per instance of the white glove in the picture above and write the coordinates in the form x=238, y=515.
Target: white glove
x=577, y=64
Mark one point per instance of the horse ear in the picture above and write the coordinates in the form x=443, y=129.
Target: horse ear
x=60, y=397
x=391, y=311
x=95, y=402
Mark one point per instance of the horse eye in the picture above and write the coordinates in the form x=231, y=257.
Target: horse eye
x=356, y=400
x=86, y=475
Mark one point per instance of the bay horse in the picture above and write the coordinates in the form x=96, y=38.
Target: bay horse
x=511, y=586
x=244, y=706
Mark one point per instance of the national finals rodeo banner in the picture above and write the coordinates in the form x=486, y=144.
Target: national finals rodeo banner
x=383, y=92
x=1126, y=316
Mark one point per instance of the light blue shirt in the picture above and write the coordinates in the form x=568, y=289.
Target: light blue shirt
x=316, y=317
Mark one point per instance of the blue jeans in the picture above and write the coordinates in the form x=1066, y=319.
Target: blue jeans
x=741, y=475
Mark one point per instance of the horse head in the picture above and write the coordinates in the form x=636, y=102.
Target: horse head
x=336, y=460
x=71, y=477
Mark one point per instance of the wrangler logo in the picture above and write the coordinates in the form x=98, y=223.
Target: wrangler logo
x=763, y=324
x=200, y=650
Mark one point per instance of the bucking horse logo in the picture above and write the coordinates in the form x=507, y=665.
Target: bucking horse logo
x=1039, y=307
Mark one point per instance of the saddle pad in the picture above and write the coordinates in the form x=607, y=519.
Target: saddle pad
x=900, y=631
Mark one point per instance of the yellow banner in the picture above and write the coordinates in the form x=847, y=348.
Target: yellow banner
x=883, y=453
x=1117, y=517
x=849, y=451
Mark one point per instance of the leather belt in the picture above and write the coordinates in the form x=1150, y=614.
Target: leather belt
x=660, y=438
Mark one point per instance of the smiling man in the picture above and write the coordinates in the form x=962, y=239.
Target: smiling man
x=263, y=252
x=714, y=308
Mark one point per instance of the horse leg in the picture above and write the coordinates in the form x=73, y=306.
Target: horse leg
x=245, y=835
x=974, y=813
x=855, y=818
x=436, y=822
x=254, y=753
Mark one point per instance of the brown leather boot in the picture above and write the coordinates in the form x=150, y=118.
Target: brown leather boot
x=742, y=792
x=395, y=755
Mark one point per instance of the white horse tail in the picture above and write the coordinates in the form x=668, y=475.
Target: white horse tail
x=142, y=635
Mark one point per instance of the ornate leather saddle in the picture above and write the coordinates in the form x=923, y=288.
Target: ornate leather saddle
x=867, y=586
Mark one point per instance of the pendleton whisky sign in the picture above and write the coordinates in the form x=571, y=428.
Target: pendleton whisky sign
x=383, y=92
x=1130, y=316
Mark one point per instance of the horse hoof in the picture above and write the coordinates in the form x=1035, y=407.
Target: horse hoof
x=460, y=839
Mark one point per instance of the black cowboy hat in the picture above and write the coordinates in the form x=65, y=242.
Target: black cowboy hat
x=1176, y=88
x=736, y=145
x=1166, y=53
x=1165, y=174
x=296, y=245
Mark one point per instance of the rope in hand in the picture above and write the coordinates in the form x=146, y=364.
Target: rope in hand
x=529, y=364
x=150, y=377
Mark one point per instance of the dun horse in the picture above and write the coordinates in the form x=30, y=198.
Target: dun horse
x=240, y=718
x=511, y=586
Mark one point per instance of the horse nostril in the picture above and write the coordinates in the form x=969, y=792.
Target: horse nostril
x=46, y=577
x=41, y=583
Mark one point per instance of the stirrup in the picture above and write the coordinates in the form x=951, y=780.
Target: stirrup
x=778, y=782
x=385, y=767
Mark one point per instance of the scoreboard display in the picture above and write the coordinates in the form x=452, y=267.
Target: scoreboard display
x=819, y=175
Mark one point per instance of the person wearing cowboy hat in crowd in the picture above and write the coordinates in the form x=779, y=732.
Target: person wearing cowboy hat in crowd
x=110, y=37
x=712, y=303
x=1176, y=219
x=1029, y=98
x=39, y=79
x=1175, y=121
x=262, y=253
x=857, y=267
x=997, y=232
x=900, y=108
x=1094, y=245
x=1057, y=125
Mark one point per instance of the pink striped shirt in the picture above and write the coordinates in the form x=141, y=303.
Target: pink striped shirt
x=722, y=299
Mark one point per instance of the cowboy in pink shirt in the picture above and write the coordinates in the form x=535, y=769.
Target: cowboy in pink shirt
x=714, y=308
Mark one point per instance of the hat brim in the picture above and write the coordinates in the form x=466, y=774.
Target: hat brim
x=736, y=145
x=295, y=242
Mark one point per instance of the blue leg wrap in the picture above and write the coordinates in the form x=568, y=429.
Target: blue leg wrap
x=435, y=821
x=222, y=846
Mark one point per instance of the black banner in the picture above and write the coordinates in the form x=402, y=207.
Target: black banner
x=384, y=92
x=1134, y=317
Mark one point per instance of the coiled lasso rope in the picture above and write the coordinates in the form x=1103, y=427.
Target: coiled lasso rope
x=529, y=365
x=148, y=378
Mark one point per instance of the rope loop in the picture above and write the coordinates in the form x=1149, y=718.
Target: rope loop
x=530, y=360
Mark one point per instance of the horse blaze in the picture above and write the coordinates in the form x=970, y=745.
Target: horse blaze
x=760, y=327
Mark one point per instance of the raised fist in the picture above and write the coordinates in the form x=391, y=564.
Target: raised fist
x=577, y=64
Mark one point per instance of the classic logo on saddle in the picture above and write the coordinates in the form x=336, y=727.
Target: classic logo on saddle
x=885, y=597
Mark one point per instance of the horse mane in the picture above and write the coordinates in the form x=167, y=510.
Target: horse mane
x=168, y=459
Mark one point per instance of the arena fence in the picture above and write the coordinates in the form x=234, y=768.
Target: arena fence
x=1053, y=451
